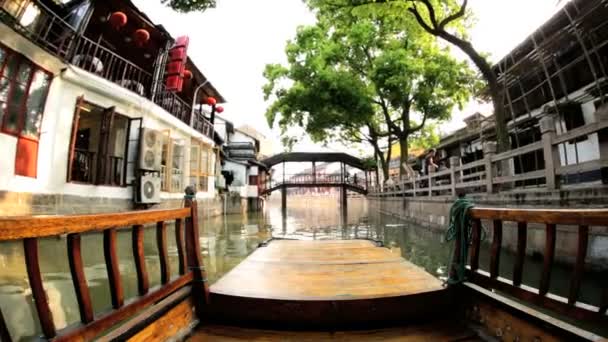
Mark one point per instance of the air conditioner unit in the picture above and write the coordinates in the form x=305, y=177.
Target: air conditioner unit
x=150, y=150
x=149, y=189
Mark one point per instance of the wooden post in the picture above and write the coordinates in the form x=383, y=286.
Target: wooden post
x=489, y=150
x=200, y=288
x=454, y=163
x=344, y=200
x=550, y=152
x=314, y=173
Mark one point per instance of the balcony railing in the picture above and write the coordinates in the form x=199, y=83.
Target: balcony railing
x=101, y=61
x=44, y=27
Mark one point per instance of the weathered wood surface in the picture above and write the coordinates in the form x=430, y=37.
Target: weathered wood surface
x=441, y=331
x=81, y=288
x=87, y=332
x=14, y=228
x=178, y=322
x=324, y=270
x=586, y=217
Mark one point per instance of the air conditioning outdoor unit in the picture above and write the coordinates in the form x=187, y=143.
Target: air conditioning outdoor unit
x=149, y=189
x=150, y=150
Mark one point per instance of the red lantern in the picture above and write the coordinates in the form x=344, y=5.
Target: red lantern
x=187, y=74
x=219, y=109
x=118, y=20
x=141, y=37
x=211, y=101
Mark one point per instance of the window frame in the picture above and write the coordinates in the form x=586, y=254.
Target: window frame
x=22, y=112
x=198, y=172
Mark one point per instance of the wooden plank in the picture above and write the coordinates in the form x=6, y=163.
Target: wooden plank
x=155, y=317
x=200, y=287
x=30, y=247
x=161, y=243
x=88, y=332
x=475, y=245
x=111, y=258
x=143, y=284
x=181, y=245
x=584, y=217
x=579, y=266
x=14, y=228
x=531, y=295
x=496, y=246
x=5, y=335
x=325, y=270
x=520, y=256
x=177, y=322
x=545, y=279
x=435, y=331
x=83, y=297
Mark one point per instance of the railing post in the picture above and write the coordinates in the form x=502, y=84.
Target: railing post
x=601, y=114
x=550, y=152
x=489, y=150
x=200, y=288
x=454, y=163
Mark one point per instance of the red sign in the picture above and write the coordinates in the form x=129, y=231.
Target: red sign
x=178, y=55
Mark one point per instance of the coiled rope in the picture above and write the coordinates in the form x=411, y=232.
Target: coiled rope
x=460, y=224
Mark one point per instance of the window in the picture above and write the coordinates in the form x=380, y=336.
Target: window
x=201, y=165
x=172, y=164
x=23, y=91
x=98, y=148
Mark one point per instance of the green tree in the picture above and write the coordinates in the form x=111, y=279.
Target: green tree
x=426, y=138
x=362, y=79
x=445, y=19
x=185, y=6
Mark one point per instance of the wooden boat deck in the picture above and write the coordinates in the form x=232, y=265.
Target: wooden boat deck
x=326, y=283
x=437, y=331
x=325, y=270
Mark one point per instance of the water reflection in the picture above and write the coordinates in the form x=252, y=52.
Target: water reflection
x=225, y=242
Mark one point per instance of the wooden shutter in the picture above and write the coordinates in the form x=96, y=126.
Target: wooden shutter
x=75, y=120
x=132, y=150
x=26, y=159
x=103, y=160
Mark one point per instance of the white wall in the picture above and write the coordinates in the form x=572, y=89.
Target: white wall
x=69, y=83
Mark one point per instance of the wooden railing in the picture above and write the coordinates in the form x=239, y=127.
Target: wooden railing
x=484, y=176
x=540, y=295
x=191, y=271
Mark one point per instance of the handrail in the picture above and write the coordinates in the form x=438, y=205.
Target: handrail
x=570, y=306
x=191, y=273
x=489, y=179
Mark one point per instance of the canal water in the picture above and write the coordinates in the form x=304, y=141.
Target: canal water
x=225, y=242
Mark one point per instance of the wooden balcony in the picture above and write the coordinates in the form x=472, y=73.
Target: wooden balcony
x=58, y=37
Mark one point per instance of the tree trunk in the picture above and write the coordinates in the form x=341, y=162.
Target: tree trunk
x=403, y=157
x=502, y=134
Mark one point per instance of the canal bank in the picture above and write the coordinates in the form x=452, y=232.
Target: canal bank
x=433, y=213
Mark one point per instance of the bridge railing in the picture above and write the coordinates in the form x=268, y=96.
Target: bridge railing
x=321, y=179
x=538, y=294
x=189, y=282
x=485, y=176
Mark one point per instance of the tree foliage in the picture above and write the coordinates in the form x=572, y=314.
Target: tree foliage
x=448, y=20
x=373, y=79
x=185, y=6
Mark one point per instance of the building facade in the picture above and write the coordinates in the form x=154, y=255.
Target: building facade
x=96, y=110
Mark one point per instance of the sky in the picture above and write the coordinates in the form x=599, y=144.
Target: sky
x=231, y=45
